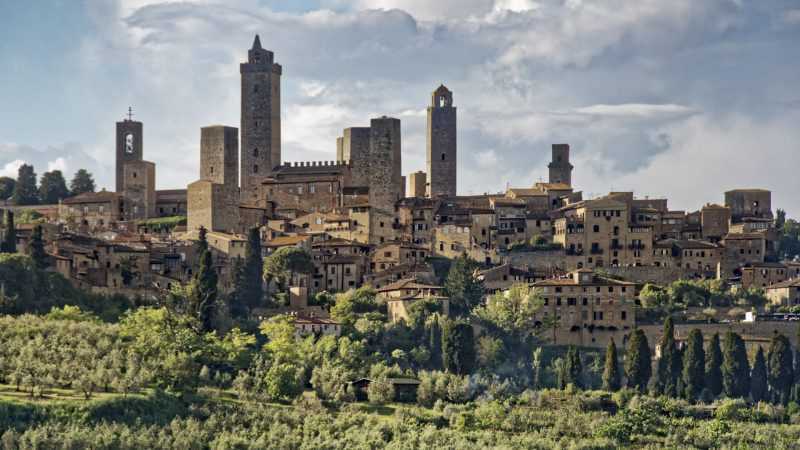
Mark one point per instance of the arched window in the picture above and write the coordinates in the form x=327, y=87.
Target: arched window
x=255, y=168
x=255, y=152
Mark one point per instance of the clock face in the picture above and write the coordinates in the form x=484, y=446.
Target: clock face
x=129, y=143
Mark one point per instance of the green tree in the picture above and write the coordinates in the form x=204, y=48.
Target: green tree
x=638, y=362
x=537, y=364
x=284, y=263
x=694, y=365
x=779, y=369
x=25, y=192
x=668, y=372
x=512, y=311
x=714, y=366
x=36, y=248
x=81, y=183
x=202, y=241
x=574, y=367
x=7, y=187
x=248, y=290
x=52, y=187
x=9, y=244
x=458, y=348
x=204, y=292
x=735, y=367
x=435, y=340
x=463, y=289
x=758, y=377
x=611, y=375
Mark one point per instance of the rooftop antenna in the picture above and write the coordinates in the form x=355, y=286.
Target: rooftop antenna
x=130, y=113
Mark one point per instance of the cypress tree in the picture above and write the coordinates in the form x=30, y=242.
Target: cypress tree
x=25, y=191
x=9, y=244
x=693, y=365
x=202, y=241
x=574, y=367
x=667, y=372
x=714, y=366
x=735, y=367
x=435, y=340
x=758, y=377
x=253, y=267
x=205, y=291
x=458, y=348
x=638, y=361
x=37, y=248
x=779, y=369
x=611, y=376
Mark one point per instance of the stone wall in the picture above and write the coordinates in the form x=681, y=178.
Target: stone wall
x=129, y=148
x=139, y=190
x=355, y=148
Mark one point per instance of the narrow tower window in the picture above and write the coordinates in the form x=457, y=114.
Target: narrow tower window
x=255, y=151
x=442, y=156
x=255, y=88
x=255, y=168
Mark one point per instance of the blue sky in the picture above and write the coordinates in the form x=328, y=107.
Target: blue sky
x=680, y=99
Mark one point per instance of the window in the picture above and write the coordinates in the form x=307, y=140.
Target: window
x=312, y=188
x=255, y=168
x=558, y=301
x=442, y=156
x=300, y=190
x=255, y=152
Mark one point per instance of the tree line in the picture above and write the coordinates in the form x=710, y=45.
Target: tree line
x=51, y=186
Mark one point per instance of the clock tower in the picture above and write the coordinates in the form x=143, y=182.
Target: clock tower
x=129, y=146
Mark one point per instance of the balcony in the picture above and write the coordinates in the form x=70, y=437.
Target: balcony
x=616, y=246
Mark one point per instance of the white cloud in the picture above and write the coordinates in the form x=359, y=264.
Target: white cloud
x=57, y=164
x=637, y=110
x=11, y=168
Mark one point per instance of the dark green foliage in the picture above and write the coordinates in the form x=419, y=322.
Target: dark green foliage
x=52, y=187
x=789, y=236
x=461, y=286
x=204, y=295
x=669, y=370
x=248, y=290
x=611, y=376
x=779, y=369
x=9, y=243
x=713, y=379
x=36, y=247
x=25, y=192
x=574, y=367
x=202, y=241
x=638, y=361
x=458, y=348
x=735, y=367
x=81, y=183
x=284, y=263
x=694, y=365
x=758, y=377
x=6, y=187
x=435, y=340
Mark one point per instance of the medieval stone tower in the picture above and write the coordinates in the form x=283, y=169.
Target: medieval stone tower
x=385, y=177
x=261, y=117
x=213, y=200
x=442, y=146
x=129, y=148
x=560, y=168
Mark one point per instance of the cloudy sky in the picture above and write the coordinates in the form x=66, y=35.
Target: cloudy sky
x=681, y=99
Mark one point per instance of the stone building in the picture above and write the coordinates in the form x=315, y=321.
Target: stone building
x=442, y=147
x=749, y=203
x=213, y=200
x=129, y=148
x=416, y=184
x=260, y=117
x=762, y=275
x=560, y=167
x=714, y=222
x=785, y=293
x=356, y=150
x=587, y=309
x=139, y=190
x=91, y=210
x=385, y=163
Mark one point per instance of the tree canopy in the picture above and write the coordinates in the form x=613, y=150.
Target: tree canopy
x=81, y=183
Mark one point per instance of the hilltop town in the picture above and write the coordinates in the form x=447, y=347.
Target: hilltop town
x=363, y=222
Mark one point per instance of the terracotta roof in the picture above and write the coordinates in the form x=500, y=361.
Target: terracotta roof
x=92, y=197
x=792, y=282
x=282, y=241
x=742, y=236
x=526, y=192
x=408, y=283
x=694, y=243
x=554, y=186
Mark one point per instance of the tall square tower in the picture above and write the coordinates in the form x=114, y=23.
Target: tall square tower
x=442, y=145
x=129, y=148
x=385, y=178
x=261, y=117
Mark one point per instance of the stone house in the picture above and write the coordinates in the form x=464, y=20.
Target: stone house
x=784, y=293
